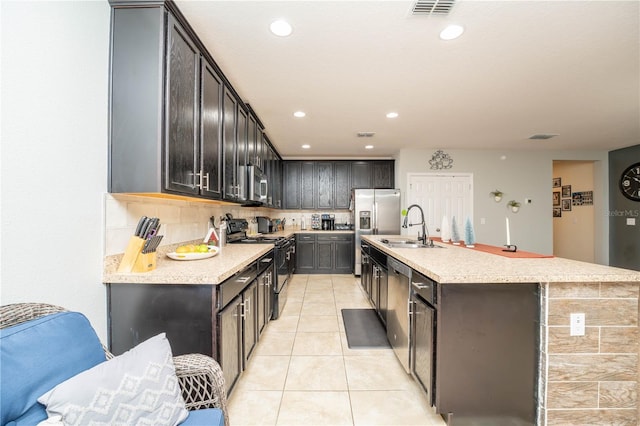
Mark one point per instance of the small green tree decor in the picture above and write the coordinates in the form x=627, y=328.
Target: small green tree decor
x=469, y=235
x=455, y=235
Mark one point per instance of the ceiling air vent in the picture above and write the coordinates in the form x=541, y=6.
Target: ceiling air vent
x=543, y=136
x=366, y=134
x=433, y=7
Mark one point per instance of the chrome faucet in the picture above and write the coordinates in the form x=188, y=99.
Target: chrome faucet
x=424, y=238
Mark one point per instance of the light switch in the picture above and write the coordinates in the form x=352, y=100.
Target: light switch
x=577, y=324
x=631, y=221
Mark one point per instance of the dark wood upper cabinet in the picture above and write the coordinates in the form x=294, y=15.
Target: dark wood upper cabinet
x=307, y=185
x=342, y=184
x=212, y=90
x=326, y=185
x=291, y=184
x=382, y=174
x=324, y=189
x=176, y=123
x=361, y=174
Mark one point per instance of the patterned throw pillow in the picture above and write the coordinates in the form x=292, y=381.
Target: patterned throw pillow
x=139, y=387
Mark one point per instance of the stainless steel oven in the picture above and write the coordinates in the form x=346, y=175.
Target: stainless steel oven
x=284, y=255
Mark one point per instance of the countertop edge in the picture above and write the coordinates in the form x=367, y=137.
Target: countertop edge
x=469, y=266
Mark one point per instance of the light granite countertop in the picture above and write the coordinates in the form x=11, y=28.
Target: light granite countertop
x=454, y=264
x=214, y=270
x=231, y=259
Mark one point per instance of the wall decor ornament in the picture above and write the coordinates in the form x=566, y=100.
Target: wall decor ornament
x=515, y=206
x=440, y=160
x=497, y=195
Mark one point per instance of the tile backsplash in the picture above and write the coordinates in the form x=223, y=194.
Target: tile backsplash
x=184, y=220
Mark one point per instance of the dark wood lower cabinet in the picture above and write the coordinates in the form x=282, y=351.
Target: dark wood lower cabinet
x=324, y=253
x=220, y=321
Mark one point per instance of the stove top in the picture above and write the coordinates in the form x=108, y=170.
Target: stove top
x=242, y=238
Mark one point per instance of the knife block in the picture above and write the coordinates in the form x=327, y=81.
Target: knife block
x=145, y=262
x=134, y=260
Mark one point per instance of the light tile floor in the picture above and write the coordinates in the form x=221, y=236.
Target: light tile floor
x=303, y=372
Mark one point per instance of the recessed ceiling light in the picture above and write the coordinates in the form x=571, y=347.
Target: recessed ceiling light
x=306, y=146
x=280, y=28
x=451, y=32
x=299, y=114
x=368, y=147
x=392, y=115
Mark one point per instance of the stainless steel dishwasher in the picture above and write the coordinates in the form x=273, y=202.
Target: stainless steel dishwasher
x=398, y=310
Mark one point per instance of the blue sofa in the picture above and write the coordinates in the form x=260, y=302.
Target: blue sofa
x=42, y=346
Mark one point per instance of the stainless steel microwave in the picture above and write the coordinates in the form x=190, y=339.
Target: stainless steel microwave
x=258, y=185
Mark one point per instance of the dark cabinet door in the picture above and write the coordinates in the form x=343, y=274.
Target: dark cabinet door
x=325, y=185
x=325, y=253
x=252, y=126
x=342, y=186
x=382, y=174
x=361, y=174
x=181, y=154
x=241, y=153
x=211, y=131
x=229, y=105
x=344, y=252
x=265, y=298
x=250, y=320
x=307, y=185
x=383, y=295
x=230, y=344
x=422, y=346
x=305, y=253
x=365, y=273
x=292, y=175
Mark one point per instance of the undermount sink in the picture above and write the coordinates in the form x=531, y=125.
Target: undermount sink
x=406, y=243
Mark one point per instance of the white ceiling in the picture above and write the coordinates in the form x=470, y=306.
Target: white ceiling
x=570, y=68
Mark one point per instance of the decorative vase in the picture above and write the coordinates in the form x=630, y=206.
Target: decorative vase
x=445, y=230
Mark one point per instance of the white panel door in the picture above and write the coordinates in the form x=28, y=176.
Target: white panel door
x=439, y=195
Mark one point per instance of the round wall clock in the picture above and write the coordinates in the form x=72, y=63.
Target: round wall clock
x=630, y=182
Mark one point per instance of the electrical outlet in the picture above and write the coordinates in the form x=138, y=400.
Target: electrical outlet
x=577, y=324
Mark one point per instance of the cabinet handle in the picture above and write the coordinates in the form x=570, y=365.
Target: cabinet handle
x=421, y=286
x=206, y=187
x=247, y=306
x=197, y=180
x=243, y=279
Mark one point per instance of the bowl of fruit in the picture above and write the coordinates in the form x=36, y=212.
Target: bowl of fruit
x=193, y=252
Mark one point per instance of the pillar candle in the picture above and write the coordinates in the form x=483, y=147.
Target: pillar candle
x=508, y=235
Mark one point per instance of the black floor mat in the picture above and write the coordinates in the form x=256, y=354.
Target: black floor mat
x=364, y=329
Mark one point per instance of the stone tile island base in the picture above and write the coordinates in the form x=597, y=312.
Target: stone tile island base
x=590, y=379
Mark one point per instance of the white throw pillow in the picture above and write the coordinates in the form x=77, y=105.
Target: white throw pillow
x=139, y=387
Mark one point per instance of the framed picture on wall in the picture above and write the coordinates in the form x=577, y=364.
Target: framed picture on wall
x=566, y=191
x=556, y=198
x=557, y=212
x=566, y=204
x=557, y=182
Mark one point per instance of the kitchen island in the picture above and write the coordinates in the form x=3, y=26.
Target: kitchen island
x=577, y=380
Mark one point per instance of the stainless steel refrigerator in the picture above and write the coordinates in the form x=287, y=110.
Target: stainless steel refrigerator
x=374, y=211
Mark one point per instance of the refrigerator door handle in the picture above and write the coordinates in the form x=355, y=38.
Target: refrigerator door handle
x=374, y=219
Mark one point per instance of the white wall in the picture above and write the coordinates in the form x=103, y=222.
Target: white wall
x=54, y=154
x=520, y=175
